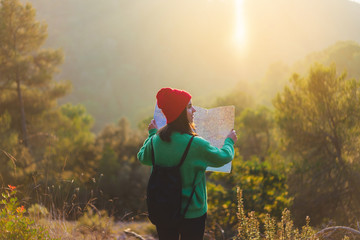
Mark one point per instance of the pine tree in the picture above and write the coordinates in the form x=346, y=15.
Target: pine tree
x=25, y=68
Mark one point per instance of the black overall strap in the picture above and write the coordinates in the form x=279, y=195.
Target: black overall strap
x=191, y=195
x=194, y=185
x=185, y=152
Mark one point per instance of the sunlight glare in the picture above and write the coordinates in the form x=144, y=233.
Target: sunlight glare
x=239, y=23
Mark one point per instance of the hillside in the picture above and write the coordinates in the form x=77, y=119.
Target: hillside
x=345, y=55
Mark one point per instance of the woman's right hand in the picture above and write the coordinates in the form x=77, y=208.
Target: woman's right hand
x=152, y=125
x=232, y=135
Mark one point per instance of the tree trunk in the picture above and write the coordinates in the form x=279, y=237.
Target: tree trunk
x=22, y=111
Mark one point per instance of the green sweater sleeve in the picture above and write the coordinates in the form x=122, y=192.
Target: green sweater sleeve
x=217, y=157
x=144, y=154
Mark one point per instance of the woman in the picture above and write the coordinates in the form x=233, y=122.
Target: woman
x=169, y=144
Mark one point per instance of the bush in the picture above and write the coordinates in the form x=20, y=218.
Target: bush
x=265, y=192
x=37, y=211
x=248, y=226
x=96, y=222
x=13, y=223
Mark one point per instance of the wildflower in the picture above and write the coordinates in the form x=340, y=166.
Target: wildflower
x=20, y=209
x=11, y=187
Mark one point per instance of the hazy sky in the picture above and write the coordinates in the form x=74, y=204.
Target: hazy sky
x=120, y=51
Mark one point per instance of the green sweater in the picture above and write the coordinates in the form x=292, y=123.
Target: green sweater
x=200, y=156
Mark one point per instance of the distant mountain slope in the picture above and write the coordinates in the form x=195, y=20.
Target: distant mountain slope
x=346, y=56
x=118, y=53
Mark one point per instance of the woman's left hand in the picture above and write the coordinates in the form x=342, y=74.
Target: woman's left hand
x=232, y=135
x=152, y=125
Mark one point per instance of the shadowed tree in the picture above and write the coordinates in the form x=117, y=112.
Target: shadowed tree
x=255, y=129
x=319, y=117
x=124, y=178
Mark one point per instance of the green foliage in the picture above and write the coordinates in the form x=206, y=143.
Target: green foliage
x=118, y=165
x=25, y=69
x=320, y=122
x=72, y=153
x=28, y=95
x=255, y=128
x=9, y=137
x=98, y=221
x=248, y=226
x=258, y=167
x=41, y=144
x=37, y=211
x=8, y=147
x=265, y=191
x=64, y=151
x=13, y=223
x=14, y=157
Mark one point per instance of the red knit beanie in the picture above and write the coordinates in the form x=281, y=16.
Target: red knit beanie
x=172, y=102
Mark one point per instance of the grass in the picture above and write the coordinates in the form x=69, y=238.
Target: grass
x=69, y=230
x=17, y=222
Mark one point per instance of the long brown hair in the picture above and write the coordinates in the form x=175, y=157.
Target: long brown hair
x=181, y=125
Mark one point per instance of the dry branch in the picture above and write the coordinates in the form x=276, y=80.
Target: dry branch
x=131, y=233
x=335, y=228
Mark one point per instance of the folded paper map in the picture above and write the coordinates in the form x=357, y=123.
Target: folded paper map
x=211, y=124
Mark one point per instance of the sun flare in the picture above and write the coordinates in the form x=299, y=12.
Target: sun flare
x=240, y=37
